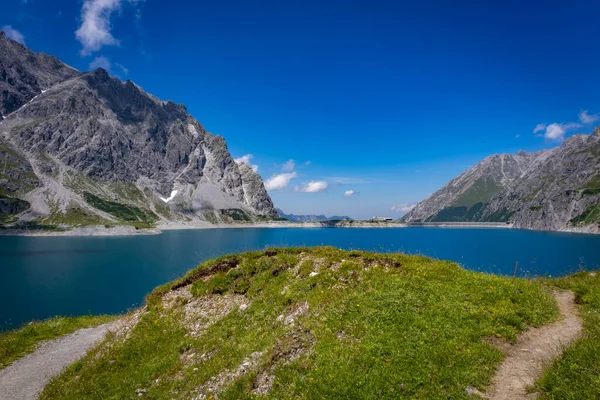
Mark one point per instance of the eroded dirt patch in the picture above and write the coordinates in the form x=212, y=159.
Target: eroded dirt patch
x=216, y=383
x=296, y=311
x=199, y=313
x=287, y=349
x=222, y=266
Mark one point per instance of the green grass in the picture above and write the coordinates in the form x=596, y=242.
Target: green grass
x=17, y=343
x=536, y=208
x=75, y=216
x=235, y=214
x=590, y=215
x=576, y=375
x=163, y=209
x=128, y=191
x=382, y=326
x=460, y=214
x=591, y=188
x=127, y=213
x=482, y=191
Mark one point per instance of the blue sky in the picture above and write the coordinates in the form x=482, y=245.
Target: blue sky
x=378, y=104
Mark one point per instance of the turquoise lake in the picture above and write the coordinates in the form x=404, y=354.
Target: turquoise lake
x=46, y=276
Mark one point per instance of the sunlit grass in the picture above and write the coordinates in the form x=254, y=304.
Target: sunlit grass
x=377, y=326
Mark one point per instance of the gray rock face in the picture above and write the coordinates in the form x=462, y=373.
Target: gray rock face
x=24, y=74
x=91, y=133
x=255, y=194
x=556, y=189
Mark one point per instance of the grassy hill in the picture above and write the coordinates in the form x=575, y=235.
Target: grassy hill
x=312, y=323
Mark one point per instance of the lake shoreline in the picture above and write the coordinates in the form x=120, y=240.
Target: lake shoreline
x=125, y=230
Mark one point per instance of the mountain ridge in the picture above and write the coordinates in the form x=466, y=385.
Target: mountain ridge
x=310, y=217
x=110, y=152
x=555, y=189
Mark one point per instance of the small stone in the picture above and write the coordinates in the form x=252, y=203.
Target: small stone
x=313, y=274
x=243, y=307
x=473, y=391
x=592, y=274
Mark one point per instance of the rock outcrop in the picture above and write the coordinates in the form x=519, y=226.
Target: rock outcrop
x=24, y=74
x=557, y=189
x=92, y=145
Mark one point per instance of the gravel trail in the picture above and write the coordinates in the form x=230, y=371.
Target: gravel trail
x=25, y=378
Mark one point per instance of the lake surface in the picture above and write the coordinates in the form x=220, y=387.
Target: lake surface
x=46, y=276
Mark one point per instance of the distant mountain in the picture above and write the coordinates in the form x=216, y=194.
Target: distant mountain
x=309, y=218
x=83, y=148
x=557, y=189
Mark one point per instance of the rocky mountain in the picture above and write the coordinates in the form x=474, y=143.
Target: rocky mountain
x=24, y=74
x=557, y=189
x=309, y=218
x=86, y=148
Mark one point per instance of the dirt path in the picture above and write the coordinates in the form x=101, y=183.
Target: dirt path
x=25, y=378
x=534, y=350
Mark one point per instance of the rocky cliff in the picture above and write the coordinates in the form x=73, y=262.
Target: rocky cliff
x=557, y=189
x=88, y=148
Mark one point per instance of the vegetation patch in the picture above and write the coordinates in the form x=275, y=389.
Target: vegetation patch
x=235, y=214
x=591, y=188
x=460, y=213
x=124, y=212
x=163, y=209
x=482, y=191
x=502, y=215
x=535, y=208
x=590, y=215
x=11, y=207
x=17, y=343
x=210, y=216
x=313, y=323
x=75, y=216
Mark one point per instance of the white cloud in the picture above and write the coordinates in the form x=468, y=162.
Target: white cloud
x=539, y=128
x=308, y=162
x=403, y=207
x=586, y=118
x=314, y=187
x=246, y=160
x=349, y=193
x=123, y=69
x=100, y=62
x=517, y=136
x=557, y=131
x=95, y=28
x=13, y=34
x=281, y=181
x=288, y=166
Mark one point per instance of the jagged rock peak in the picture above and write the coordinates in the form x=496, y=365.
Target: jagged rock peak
x=91, y=138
